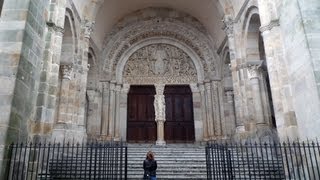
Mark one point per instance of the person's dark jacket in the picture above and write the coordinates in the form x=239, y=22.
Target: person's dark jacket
x=150, y=167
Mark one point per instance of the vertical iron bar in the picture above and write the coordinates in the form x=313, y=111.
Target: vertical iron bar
x=81, y=158
x=76, y=159
x=283, y=172
x=26, y=147
x=104, y=160
x=33, y=158
x=257, y=154
x=126, y=162
x=272, y=158
x=207, y=164
x=253, y=160
x=306, y=156
x=62, y=168
x=48, y=159
x=238, y=160
x=86, y=161
x=260, y=146
x=300, y=155
x=25, y=156
x=312, y=166
x=15, y=149
x=292, y=159
x=43, y=157
x=287, y=161
x=315, y=154
x=246, y=146
x=57, y=160
x=95, y=159
x=243, y=161
x=121, y=153
x=38, y=158
x=19, y=160
x=9, y=159
x=214, y=161
x=108, y=164
x=67, y=168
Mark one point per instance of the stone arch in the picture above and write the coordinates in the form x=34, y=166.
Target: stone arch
x=191, y=33
x=255, y=61
x=69, y=41
x=251, y=33
x=124, y=58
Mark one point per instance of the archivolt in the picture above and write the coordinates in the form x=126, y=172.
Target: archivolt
x=157, y=40
x=192, y=38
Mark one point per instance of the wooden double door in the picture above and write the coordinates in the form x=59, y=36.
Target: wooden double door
x=141, y=125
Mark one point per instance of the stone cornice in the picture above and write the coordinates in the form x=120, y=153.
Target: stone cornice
x=272, y=24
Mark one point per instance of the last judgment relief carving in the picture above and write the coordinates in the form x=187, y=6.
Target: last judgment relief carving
x=159, y=63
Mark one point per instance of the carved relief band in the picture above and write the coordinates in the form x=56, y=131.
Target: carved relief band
x=159, y=63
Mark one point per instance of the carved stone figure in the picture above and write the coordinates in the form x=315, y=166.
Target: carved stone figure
x=159, y=63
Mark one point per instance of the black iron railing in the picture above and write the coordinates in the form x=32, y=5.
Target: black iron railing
x=96, y=160
x=288, y=160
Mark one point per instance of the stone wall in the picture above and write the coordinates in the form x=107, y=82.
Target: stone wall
x=23, y=26
x=301, y=40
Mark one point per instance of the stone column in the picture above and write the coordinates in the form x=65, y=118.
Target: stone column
x=216, y=108
x=256, y=94
x=229, y=29
x=209, y=111
x=117, y=110
x=197, y=115
x=112, y=105
x=159, y=107
x=230, y=102
x=63, y=115
x=123, y=111
x=105, y=109
x=203, y=112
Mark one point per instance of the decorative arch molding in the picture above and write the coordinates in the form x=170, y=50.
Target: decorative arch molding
x=194, y=38
x=70, y=17
x=251, y=11
x=160, y=40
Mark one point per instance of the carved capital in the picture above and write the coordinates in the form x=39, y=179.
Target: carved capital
x=228, y=25
x=268, y=27
x=125, y=88
x=159, y=88
x=57, y=29
x=201, y=87
x=105, y=85
x=66, y=71
x=207, y=86
x=253, y=71
x=118, y=88
x=194, y=88
x=87, y=27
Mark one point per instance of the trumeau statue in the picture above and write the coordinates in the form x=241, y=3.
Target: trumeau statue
x=159, y=63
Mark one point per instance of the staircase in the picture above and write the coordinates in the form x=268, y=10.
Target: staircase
x=175, y=161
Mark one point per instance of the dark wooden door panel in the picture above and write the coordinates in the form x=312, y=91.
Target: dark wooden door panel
x=179, y=125
x=141, y=125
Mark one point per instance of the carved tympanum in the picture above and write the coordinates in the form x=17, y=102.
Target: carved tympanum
x=159, y=63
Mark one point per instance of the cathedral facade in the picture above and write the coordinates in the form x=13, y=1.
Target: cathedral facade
x=159, y=71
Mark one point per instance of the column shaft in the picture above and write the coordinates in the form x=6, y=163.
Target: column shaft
x=111, y=111
x=209, y=111
x=105, y=109
x=159, y=107
x=203, y=112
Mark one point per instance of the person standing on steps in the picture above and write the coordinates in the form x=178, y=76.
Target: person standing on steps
x=150, y=167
